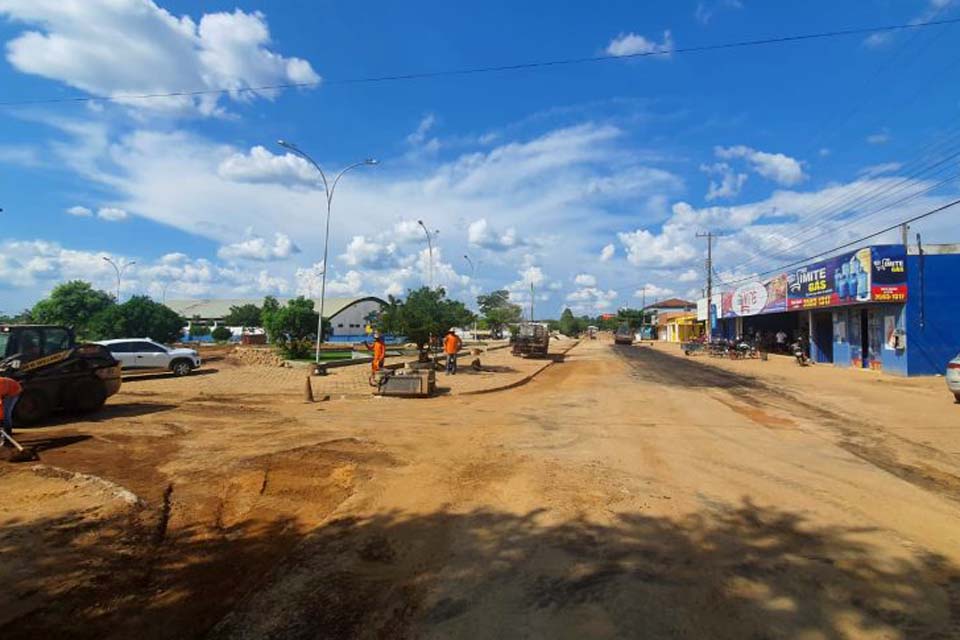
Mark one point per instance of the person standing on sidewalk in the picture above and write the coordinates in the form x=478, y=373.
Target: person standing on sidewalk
x=379, y=349
x=10, y=391
x=451, y=346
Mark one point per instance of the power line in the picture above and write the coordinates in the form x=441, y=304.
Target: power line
x=424, y=75
x=851, y=243
x=861, y=196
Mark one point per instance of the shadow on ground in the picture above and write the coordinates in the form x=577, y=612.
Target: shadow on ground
x=748, y=572
x=133, y=378
x=653, y=365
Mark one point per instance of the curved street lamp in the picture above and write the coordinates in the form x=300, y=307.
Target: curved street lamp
x=429, y=247
x=328, y=189
x=119, y=269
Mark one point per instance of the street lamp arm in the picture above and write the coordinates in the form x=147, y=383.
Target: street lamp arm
x=303, y=154
x=352, y=166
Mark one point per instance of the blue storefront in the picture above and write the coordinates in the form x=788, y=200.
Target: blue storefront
x=882, y=307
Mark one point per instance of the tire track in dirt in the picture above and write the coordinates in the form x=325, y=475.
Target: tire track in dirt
x=751, y=397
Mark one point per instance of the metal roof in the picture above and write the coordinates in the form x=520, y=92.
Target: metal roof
x=216, y=308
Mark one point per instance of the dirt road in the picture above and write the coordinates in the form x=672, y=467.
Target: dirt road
x=626, y=492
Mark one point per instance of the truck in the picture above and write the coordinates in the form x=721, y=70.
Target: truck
x=531, y=339
x=623, y=335
x=56, y=373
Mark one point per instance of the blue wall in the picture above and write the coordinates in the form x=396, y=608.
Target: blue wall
x=931, y=346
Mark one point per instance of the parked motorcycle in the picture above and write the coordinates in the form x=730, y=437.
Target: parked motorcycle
x=800, y=354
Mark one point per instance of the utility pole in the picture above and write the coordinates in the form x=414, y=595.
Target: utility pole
x=905, y=234
x=709, y=236
x=643, y=312
x=531, y=302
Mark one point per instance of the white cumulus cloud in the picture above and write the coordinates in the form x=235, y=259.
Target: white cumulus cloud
x=260, y=165
x=122, y=47
x=631, y=44
x=481, y=233
x=730, y=183
x=607, y=252
x=80, y=212
x=259, y=248
x=778, y=167
x=112, y=214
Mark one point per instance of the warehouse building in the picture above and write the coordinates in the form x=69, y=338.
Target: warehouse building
x=348, y=317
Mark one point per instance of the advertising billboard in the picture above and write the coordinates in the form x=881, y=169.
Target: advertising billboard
x=840, y=280
x=888, y=274
x=755, y=298
x=871, y=274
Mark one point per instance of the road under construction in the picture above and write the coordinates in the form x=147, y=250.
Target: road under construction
x=624, y=491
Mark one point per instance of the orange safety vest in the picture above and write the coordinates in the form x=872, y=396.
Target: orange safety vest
x=8, y=389
x=451, y=344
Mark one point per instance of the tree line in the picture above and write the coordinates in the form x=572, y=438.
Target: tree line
x=292, y=327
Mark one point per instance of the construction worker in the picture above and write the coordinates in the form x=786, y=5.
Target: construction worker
x=10, y=391
x=379, y=349
x=451, y=346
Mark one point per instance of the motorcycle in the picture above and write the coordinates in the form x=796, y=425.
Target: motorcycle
x=800, y=354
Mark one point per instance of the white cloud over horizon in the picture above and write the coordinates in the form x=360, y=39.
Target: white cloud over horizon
x=219, y=51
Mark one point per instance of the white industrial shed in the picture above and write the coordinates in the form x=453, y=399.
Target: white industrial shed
x=347, y=316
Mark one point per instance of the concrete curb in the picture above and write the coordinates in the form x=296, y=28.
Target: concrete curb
x=522, y=381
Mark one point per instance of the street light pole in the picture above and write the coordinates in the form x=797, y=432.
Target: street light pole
x=328, y=189
x=429, y=248
x=473, y=272
x=119, y=269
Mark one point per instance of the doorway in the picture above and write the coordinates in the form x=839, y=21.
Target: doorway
x=864, y=339
x=823, y=337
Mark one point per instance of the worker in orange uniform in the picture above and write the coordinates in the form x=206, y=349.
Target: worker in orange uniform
x=451, y=346
x=10, y=391
x=379, y=349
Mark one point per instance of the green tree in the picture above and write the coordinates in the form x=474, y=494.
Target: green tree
x=221, y=334
x=293, y=328
x=269, y=304
x=24, y=317
x=426, y=312
x=246, y=315
x=498, y=311
x=138, y=317
x=569, y=325
x=198, y=328
x=73, y=303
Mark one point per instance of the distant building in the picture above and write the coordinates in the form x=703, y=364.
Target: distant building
x=348, y=317
x=652, y=313
x=888, y=308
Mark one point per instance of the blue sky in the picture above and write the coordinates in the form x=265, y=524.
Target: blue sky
x=590, y=181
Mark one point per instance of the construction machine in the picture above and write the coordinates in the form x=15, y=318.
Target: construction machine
x=531, y=339
x=56, y=373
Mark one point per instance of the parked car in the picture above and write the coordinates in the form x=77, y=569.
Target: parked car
x=953, y=377
x=143, y=354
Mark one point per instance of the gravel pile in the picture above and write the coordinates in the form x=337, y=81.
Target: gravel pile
x=258, y=356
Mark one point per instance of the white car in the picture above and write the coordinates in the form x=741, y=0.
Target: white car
x=143, y=354
x=953, y=377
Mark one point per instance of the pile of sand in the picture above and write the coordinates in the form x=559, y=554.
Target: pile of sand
x=259, y=356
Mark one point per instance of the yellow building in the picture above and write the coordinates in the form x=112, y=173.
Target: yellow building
x=678, y=327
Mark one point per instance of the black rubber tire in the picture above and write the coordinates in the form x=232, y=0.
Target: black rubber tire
x=32, y=408
x=89, y=396
x=181, y=368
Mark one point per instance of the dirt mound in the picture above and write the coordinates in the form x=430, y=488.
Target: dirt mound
x=256, y=356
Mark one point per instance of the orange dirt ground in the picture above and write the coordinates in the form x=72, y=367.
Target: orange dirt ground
x=623, y=492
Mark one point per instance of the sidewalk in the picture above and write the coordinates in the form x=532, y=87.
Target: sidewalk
x=499, y=369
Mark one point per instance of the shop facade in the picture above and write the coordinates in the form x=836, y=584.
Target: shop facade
x=882, y=307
